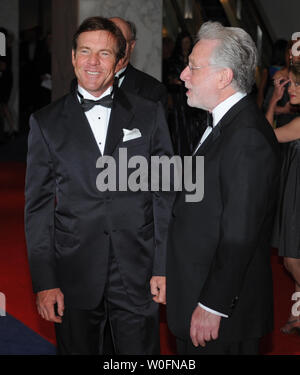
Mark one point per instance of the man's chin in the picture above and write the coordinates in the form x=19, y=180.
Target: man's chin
x=189, y=102
x=194, y=104
x=95, y=90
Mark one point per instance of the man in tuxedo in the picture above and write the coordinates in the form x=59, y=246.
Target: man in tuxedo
x=132, y=79
x=219, y=282
x=96, y=255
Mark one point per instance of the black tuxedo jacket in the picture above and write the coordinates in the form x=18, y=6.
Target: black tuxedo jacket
x=70, y=224
x=219, y=248
x=142, y=84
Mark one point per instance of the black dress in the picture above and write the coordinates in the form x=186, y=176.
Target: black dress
x=286, y=235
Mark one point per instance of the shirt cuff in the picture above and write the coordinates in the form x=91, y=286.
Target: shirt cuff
x=212, y=311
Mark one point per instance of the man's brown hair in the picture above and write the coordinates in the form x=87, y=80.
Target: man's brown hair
x=101, y=23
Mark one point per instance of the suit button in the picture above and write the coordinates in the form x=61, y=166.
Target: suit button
x=106, y=232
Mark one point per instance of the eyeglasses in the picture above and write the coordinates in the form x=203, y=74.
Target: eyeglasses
x=191, y=67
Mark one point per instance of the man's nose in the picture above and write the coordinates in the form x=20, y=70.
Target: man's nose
x=184, y=74
x=93, y=59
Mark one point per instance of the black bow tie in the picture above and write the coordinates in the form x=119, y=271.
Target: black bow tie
x=87, y=104
x=106, y=101
x=209, y=120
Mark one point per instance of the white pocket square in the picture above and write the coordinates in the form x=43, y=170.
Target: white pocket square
x=131, y=134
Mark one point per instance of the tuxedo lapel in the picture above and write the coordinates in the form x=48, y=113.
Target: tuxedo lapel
x=121, y=115
x=78, y=127
x=130, y=80
x=225, y=121
x=234, y=111
x=78, y=130
x=215, y=133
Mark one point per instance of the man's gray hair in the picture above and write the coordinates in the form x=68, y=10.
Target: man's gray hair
x=236, y=51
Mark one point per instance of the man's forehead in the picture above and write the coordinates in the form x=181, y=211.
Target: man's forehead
x=98, y=36
x=203, y=49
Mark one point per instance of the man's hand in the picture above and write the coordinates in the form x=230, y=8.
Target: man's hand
x=46, y=299
x=158, y=289
x=204, y=326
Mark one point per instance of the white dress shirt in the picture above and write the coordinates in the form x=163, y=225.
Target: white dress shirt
x=217, y=113
x=98, y=117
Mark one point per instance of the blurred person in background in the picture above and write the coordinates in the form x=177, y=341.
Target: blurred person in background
x=286, y=236
x=186, y=123
x=279, y=62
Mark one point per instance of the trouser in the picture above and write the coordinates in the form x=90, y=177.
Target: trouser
x=247, y=347
x=134, y=329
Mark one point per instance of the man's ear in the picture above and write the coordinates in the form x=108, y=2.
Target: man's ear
x=73, y=56
x=225, y=77
x=132, y=45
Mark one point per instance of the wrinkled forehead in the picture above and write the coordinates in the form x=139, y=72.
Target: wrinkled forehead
x=203, y=51
x=99, y=37
x=97, y=40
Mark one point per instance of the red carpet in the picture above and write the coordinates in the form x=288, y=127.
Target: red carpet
x=277, y=342
x=16, y=285
x=15, y=280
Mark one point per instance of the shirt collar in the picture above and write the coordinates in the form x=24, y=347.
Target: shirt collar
x=121, y=71
x=87, y=95
x=219, y=111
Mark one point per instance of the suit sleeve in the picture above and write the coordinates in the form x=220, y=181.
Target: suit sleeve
x=162, y=200
x=39, y=210
x=247, y=179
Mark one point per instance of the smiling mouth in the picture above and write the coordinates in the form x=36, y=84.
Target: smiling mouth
x=92, y=73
